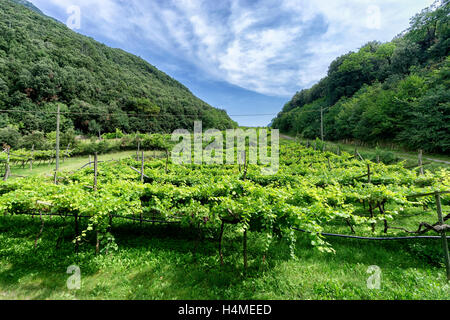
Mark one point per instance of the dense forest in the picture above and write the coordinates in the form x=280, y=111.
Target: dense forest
x=395, y=92
x=99, y=89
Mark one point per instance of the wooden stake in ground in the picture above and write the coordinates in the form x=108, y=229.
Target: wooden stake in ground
x=239, y=161
x=220, y=243
x=321, y=124
x=245, y=250
x=32, y=157
x=443, y=234
x=421, y=162
x=97, y=243
x=359, y=155
x=245, y=165
x=142, y=167
x=40, y=231
x=57, y=143
x=167, y=160
x=6, y=149
x=77, y=232
x=95, y=171
x=67, y=153
x=138, y=149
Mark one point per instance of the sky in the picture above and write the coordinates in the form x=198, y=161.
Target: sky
x=247, y=57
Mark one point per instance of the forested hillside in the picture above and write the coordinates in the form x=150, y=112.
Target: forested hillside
x=386, y=92
x=42, y=63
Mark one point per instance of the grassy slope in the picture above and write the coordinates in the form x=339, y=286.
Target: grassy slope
x=72, y=163
x=438, y=160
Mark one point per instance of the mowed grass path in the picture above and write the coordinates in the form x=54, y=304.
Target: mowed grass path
x=169, y=262
x=411, y=158
x=71, y=164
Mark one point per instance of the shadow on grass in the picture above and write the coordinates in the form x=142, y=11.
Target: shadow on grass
x=183, y=266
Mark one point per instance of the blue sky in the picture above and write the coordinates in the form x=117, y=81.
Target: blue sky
x=247, y=57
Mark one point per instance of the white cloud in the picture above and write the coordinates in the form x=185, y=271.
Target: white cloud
x=274, y=47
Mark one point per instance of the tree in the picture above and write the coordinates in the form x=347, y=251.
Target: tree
x=406, y=54
x=10, y=135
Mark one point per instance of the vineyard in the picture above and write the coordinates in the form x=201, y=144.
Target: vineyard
x=313, y=193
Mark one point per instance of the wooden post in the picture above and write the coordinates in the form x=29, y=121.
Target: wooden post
x=245, y=250
x=67, y=152
x=359, y=155
x=167, y=160
x=238, y=157
x=321, y=124
x=138, y=149
x=421, y=162
x=77, y=232
x=40, y=231
x=369, y=180
x=142, y=167
x=110, y=222
x=95, y=171
x=32, y=156
x=97, y=244
x=371, y=215
x=220, y=244
x=443, y=235
x=378, y=159
x=7, y=168
x=245, y=165
x=57, y=142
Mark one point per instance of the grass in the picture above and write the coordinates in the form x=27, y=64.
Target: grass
x=168, y=262
x=72, y=163
x=410, y=157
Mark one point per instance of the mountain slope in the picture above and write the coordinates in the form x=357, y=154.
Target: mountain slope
x=42, y=62
x=29, y=5
x=386, y=92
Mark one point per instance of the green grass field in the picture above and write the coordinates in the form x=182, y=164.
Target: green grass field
x=431, y=161
x=72, y=164
x=167, y=262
